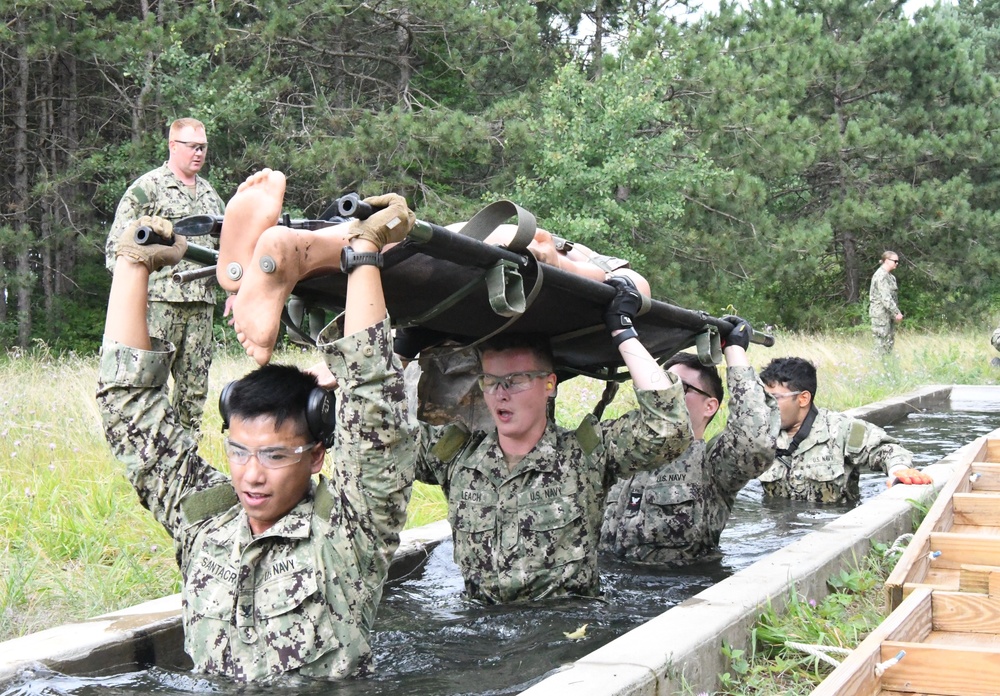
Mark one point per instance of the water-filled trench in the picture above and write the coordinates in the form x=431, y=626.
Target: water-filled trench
x=430, y=640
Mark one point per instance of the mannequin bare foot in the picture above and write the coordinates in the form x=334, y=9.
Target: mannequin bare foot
x=254, y=207
x=281, y=258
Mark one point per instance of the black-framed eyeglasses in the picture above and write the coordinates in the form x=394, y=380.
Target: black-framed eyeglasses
x=197, y=147
x=512, y=383
x=688, y=388
x=269, y=457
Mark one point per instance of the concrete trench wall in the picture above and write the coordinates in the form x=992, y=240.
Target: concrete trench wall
x=676, y=652
x=151, y=632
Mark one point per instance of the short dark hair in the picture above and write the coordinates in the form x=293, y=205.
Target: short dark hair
x=537, y=343
x=709, y=373
x=278, y=391
x=798, y=374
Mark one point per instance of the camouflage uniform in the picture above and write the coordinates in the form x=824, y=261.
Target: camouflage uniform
x=179, y=314
x=827, y=465
x=882, y=310
x=301, y=596
x=675, y=514
x=532, y=532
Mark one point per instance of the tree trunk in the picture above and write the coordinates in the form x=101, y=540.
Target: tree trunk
x=405, y=65
x=22, y=277
x=69, y=190
x=597, y=44
x=845, y=239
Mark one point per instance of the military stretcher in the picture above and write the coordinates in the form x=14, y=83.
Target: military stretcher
x=458, y=288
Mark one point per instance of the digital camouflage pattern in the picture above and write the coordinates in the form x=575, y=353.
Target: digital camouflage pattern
x=882, y=310
x=826, y=467
x=191, y=325
x=532, y=532
x=302, y=596
x=675, y=515
x=180, y=314
x=159, y=192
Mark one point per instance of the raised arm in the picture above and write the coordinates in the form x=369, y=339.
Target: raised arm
x=622, y=310
x=126, y=320
x=365, y=302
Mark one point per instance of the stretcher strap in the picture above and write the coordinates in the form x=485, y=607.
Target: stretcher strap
x=448, y=302
x=494, y=215
x=607, y=396
x=505, y=284
x=506, y=290
x=528, y=300
x=709, y=345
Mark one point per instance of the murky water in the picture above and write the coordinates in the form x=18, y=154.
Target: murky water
x=430, y=641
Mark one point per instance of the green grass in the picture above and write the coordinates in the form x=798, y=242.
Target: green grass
x=74, y=541
x=787, y=646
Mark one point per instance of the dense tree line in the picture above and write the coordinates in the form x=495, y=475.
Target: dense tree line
x=760, y=156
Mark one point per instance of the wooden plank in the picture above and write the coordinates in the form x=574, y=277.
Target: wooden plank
x=988, y=478
x=957, y=550
x=911, y=587
x=911, y=621
x=992, y=450
x=965, y=612
x=977, y=509
x=942, y=669
x=977, y=578
x=913, y=565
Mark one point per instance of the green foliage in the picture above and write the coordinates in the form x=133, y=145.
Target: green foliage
x=609, y=167
x=787, y=643
x=764, y=157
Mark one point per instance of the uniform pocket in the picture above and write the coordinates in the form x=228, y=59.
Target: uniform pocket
x=295, y=620
x=555, y=531
x=672, y=514
x=285, y=594
x=822, y=469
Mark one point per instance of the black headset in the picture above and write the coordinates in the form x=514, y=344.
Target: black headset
x=321, y=413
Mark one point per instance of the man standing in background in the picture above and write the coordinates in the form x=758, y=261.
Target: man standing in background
x=883, y=308
x=178, y=313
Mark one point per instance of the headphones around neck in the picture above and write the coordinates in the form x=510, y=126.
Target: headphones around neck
x=321, y=413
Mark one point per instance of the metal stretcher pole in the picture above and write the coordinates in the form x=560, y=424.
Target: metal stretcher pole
x=442, y=243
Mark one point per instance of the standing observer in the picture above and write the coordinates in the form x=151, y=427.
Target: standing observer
x=180, y=314
x=883, y=308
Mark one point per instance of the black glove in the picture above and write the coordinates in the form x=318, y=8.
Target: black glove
x=741, y=333
x=624, y=306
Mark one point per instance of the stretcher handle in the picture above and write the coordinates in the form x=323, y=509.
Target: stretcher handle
x=206, y=256
x=181, y=277
x=144, y=235
x=762, y=339
x=198, y=225
x=350, y=205
x=758, y=337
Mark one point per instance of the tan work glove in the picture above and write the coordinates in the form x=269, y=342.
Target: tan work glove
x=385, y=226
x=152, y=256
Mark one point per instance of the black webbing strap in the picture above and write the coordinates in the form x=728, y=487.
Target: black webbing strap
x=801, y=434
